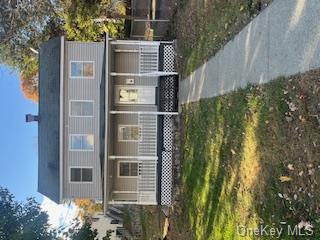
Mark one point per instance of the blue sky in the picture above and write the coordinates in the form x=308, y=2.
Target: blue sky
x=19, y=154
x=18, y=141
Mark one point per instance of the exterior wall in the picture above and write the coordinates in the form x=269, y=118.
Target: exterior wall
x=126, y=62
x=82, y=89
x=124, y=148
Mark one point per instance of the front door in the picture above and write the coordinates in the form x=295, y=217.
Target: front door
x=135, y=95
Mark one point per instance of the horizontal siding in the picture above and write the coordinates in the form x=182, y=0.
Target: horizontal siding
x=125, y=46
x=124, y=148
x=126, y=63
x=148, y=108
x=124, y=196
x=83, y=89
x=123, y=184
x=139, y=81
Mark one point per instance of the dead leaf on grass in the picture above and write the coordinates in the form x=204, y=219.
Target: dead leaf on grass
x=290, y=167
x=285, y=179
x=292, y=107
x=289, y=119
x=233, y=152
x=306, y=225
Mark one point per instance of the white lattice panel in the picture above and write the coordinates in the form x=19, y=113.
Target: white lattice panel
x=167, y=159
x=166, y=178
x=168, y=59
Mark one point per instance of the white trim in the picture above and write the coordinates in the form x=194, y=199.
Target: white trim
x=149, y=74
x=82, y=77
x=81, y=116
x=80, y=150
x=112, y=157
x=129, y=125
x=79, y=182
x=132, y=202
x=125, y=192
x=126, y=161
x=144, y=112
x=105, y=167
x=126, y=50
x=132, y=42
x=61, y=132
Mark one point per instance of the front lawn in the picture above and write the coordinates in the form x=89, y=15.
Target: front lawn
x=251, y=158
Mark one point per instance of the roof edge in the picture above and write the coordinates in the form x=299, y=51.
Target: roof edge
x=61, y=118
x=106, y=154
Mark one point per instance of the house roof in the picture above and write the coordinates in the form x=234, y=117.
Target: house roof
x=49, y=119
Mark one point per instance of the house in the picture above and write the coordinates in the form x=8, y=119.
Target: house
x=106, y=117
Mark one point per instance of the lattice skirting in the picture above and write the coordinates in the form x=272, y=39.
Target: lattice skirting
x=169, y=94
x=167, y=160
x=167, y=58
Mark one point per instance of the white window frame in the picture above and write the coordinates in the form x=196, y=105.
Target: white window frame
x=88, y=116
x=129, y=125
x=126, y=161
x=140, y=87
x=81, y=77
x=80, y=182
x=80, y=150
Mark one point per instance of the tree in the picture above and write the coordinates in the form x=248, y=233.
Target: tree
x=84, y=233
x=78, y=17
x=25, y=24
x=87, y=207
x=108, y=235
x=23, y=220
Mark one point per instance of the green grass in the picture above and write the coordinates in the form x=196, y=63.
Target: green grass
x=203, y=27
x=235, y=148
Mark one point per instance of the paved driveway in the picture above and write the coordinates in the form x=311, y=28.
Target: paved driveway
x=281, y=41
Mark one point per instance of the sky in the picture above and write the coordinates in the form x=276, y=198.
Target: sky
x=18, y=145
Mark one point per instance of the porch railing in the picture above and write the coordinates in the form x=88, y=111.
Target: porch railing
x=147, y=181
x=148, y=59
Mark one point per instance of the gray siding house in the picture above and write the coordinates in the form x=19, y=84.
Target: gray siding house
x=106, y=114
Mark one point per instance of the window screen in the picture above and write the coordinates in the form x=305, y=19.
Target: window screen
x=128, y=169
x=81, y=108
x=129, y=133
x=81, y=175
x=81, y=69
x=128, y=95
x=81, y=142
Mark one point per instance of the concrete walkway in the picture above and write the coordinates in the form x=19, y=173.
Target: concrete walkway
x=283, y=40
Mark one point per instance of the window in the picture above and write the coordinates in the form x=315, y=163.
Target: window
x=81, y=108
x=128, y=169
x=81, y=174
x=81, y=69
x=81, y=142
x=127, y=133
x=128, y=95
